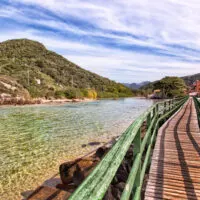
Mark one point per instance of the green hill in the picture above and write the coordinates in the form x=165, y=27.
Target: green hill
x=44, y=73
x=169, y=87
x=189, y=80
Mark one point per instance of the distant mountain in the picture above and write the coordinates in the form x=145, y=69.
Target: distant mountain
x=134, y=86
x=28, y=66
x=189, y=80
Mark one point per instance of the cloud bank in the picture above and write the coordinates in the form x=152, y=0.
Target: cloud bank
x=127, y=41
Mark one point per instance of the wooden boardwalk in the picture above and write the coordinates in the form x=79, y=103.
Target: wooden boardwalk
x=175, y=167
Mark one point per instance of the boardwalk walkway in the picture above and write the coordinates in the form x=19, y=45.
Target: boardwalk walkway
x=175, y=167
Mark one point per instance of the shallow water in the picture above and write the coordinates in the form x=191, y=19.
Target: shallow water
x=34, y=140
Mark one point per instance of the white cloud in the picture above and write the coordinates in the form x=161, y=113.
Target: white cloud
x=8, y=11
x=161, y=23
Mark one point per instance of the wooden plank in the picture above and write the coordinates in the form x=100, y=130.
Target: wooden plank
x=173, y=182
x=175, y=168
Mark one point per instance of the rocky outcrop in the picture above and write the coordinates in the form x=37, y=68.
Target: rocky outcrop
x=11, y=92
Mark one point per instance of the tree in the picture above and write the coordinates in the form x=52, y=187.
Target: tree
x=171, y=87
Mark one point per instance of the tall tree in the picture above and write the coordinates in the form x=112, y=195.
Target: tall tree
x=171, y=87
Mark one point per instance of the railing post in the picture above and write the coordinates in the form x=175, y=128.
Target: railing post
x=169, y=105
x=164, y=110
x=137, y=150
x=148, y=125
x=137, y=143
x=154, y=112
x=157, y=109
x=148, y=120
x=138, y=177
x=172, y=104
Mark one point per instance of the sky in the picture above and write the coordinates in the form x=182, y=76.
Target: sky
x=124, y=40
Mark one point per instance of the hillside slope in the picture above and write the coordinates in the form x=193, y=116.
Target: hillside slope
x=46, y=74
x=10, y=88
x=189, y=80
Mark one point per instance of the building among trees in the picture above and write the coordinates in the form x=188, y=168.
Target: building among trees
x=195, y=89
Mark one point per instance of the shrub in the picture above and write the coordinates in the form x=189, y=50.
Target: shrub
x=70, y=93
x=60, y=94
x=92, y=94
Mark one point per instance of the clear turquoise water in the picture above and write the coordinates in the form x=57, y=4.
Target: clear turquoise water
x=34, y=140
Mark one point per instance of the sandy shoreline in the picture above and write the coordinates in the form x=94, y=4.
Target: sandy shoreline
x=46, y=102
x=37, y=102
x=61, y=101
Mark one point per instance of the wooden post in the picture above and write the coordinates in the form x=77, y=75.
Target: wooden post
x=148, y=125
x=138, y=181
x=137, y=150
x=137, y=143
x=169, y=106
x=164, y=110
x=157, y=108
x=148, y=120
x=154, y=112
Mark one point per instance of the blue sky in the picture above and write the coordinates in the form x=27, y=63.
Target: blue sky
x=127, y=41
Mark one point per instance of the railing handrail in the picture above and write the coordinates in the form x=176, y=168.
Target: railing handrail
x=96, y=184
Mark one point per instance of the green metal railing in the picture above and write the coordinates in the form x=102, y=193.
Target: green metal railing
x=197, y=106
x=96, y=184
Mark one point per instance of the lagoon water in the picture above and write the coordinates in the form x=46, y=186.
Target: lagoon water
x=34, y=140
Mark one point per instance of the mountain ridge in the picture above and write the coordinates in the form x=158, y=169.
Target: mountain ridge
x=136, y=85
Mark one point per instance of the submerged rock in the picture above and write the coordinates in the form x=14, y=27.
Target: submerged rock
x=27, y=193
x=101, y=152
x=94, y=143
x=74, y=172
x=108, y=195
x=78, y=176
x=66, y=171
x=120, y=186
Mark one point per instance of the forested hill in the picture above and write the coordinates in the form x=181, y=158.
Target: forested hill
x=44, y=73
x=167, y=87
x=189, y=80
